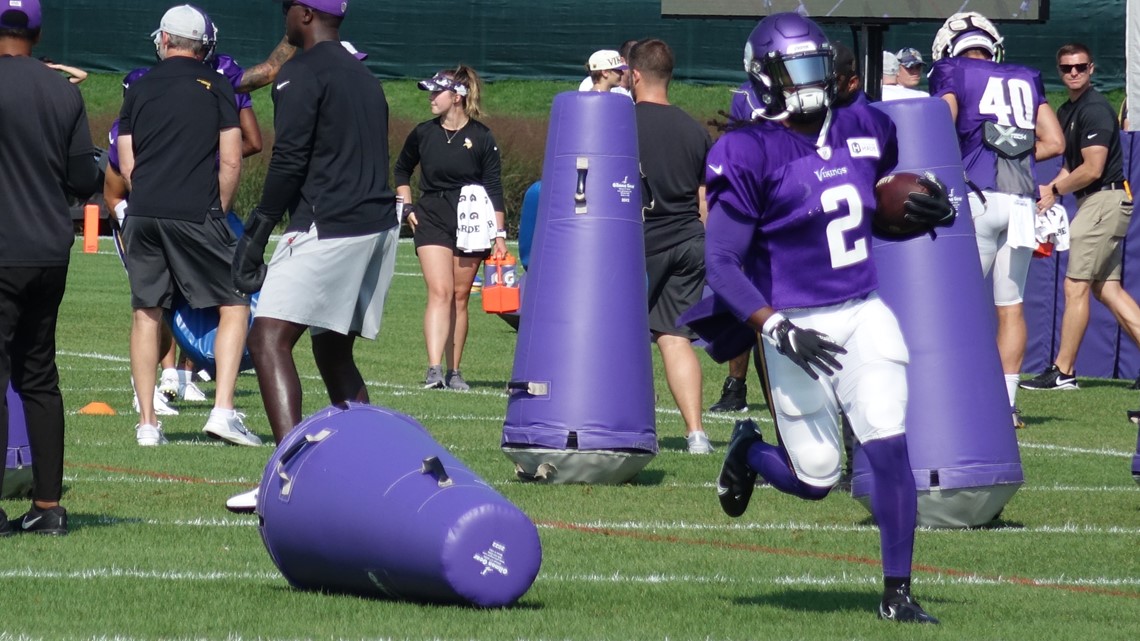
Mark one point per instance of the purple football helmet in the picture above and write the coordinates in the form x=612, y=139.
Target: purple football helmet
x=134, y=75
x=788, y=58
x=210, y=39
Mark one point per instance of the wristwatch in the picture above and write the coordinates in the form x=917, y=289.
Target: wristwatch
x=1056, y=194
x=501, y=233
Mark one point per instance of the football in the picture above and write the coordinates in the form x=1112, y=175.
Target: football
x=891, y=193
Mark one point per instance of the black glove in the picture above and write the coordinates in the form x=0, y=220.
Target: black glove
x=248, y=268
x=933, y=209
x=407, y=209
x=806, y=347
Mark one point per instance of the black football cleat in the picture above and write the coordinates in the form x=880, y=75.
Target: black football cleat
x=737, y=480
x=899, y=606
x=733, y=397
x=5, y=525
x=51, y=521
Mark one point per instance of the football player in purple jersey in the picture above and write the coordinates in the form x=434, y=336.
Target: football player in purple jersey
x=1004, y=126
x=791, y=198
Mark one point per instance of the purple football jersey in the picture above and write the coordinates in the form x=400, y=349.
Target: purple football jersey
x=228, y=67
x=113, y=149
x=1005, y=95
x=790, y=225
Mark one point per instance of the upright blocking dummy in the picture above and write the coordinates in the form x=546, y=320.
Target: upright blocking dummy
x=581, y=404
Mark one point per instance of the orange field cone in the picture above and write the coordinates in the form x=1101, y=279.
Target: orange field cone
x=97, y=408
x=90, y=229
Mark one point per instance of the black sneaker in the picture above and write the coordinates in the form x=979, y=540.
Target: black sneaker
x=733, y=397
x=51, y=521
x=898, y=605
x=736, y=481
x=1051, y=378
x=5, y=526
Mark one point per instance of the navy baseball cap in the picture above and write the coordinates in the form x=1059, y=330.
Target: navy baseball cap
x=20, y=14
x=332, y=7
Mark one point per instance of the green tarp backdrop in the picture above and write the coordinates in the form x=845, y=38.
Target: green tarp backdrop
x=527, y=38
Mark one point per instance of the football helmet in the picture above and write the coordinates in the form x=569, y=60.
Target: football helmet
x=789, y=60
x=969, y=30
x=131, y=77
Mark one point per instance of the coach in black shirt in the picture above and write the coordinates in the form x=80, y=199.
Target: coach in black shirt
x=1093, y=172
x=180, y=153
x=46, y=154
x=331, y=270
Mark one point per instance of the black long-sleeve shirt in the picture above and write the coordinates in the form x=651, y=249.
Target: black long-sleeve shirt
x=451, y=160
x=330, y=155
x=45, y=153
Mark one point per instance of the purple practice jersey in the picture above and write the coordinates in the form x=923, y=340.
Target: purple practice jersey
x=113, y=149
x=997, y=120
x=789, y=224
x=228, y=67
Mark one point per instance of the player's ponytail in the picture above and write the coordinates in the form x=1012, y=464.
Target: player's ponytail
x=471, y=102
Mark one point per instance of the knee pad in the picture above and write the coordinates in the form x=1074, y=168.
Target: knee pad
x=800, y=399
x=817, y=465
x=879, y=409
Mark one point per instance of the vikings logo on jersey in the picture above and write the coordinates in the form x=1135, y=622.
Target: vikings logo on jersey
x=813, y=201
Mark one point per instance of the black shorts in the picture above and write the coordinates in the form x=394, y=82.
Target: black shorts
x=439, y=222
x=676, y=281
x=193, y=257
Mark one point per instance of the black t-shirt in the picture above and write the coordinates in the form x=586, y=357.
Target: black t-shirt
x=330, y=155
x=451, y=160
x=43, y=124
x=1090, y=122
x=673, y=148
x=174, y=114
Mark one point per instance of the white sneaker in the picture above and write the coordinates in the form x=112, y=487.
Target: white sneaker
x=168, y=387
x=244, y=503
x=150, y=435
x=161, y=407
x=193, y=393
x=699, y=443
x=230, y=429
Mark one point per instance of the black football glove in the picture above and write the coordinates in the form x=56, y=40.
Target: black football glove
x=248, y=268
x=933, y=209
x=806, y=347
x=406, y=209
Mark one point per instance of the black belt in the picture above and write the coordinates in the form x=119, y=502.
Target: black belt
x=1081, y=193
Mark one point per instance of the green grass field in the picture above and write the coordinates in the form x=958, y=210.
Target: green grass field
x=153, y=555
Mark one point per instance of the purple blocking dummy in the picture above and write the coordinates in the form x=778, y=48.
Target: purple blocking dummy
x=362, y=500
x=960, y=437
x=18, y=463
x=580, y=405
x=1136, y=461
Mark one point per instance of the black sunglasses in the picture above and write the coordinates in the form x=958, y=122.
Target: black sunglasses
x=1081, y=67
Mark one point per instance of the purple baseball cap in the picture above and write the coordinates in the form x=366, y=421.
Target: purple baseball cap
x=331, y=7
x=20, y=14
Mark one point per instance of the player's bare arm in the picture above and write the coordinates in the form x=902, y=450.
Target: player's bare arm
x=265, y=72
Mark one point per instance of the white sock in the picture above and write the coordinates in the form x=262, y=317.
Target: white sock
x=224, y=413
x=185, y=376
x=1011, y=381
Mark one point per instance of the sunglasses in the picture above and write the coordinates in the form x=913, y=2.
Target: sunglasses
x=1081, y=68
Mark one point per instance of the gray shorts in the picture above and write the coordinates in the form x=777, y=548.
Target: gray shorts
x=333, y=284
x=1095, y=250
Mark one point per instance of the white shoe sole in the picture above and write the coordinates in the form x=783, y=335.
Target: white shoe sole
x=244, y=503
x=234, y=437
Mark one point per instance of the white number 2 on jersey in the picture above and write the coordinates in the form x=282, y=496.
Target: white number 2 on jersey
x=832, y=200
x=1009, y=96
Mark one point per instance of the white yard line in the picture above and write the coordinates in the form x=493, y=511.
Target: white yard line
x=792, y=526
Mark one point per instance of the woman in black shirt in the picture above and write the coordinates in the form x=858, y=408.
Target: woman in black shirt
x=453, y=150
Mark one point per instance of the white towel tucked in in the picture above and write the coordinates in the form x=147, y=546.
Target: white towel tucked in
x=477, y=225
x=1022, y=212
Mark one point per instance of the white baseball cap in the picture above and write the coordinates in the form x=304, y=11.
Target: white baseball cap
x=890, y=64
x=184, y=21
x=605, y=60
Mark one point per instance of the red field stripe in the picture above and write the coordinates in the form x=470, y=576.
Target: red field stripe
x=155, y=475
x=846, y=558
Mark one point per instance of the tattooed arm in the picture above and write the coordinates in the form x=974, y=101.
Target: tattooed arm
x=264, y=73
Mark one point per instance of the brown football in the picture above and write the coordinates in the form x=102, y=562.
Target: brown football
x=891, y=193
